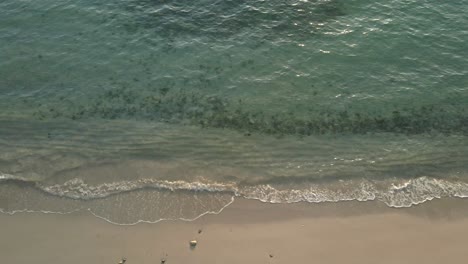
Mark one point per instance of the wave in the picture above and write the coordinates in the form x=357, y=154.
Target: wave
x=394, y=193
x=78, y=189
x=7, y=177
x=148, y=200
x=406, y=194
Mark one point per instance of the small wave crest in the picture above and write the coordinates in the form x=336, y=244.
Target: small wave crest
x=397, y=195
x=78, y=189
x=420, y=190
x=9, y=177
x=394, y=193
x=313, y=194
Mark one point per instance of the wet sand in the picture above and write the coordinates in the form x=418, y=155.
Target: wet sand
x=248, y=232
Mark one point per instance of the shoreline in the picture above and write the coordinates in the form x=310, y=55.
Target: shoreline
x=249, y=232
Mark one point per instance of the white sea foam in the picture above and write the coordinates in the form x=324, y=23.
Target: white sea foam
x=78, y=189
x=406, y=194
x=5, y=176
x=394, y=194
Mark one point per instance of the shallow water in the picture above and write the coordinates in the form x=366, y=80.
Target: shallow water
x=149, y=110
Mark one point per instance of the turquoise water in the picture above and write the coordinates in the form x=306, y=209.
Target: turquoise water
x=148, y=110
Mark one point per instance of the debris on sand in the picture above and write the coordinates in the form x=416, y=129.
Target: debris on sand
x=199, y=231
x=122, y=261
x=271, y=255
x=193, y=244
x=164, y=258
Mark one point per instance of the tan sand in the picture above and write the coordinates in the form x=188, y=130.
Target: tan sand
x=248, y=232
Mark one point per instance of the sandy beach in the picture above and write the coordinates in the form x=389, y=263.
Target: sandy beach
x=248, y=232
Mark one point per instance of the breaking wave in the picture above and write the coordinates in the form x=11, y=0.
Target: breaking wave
x=152, y=201
x=78, y=189
x=393, y=193
x=406, y=194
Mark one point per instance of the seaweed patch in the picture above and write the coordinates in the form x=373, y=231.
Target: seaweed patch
x=165, y=105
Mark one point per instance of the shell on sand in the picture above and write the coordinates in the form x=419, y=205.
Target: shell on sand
x=193, y=243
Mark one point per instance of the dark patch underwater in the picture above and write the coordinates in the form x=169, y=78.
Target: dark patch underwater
x=194, y=108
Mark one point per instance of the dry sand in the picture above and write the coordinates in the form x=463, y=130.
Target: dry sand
x=248, y=232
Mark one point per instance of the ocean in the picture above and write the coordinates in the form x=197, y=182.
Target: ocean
x=146, y=110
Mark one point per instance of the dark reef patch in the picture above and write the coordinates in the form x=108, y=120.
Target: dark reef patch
x=165, y=105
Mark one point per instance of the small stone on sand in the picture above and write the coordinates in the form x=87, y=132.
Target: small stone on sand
x=193, y=243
